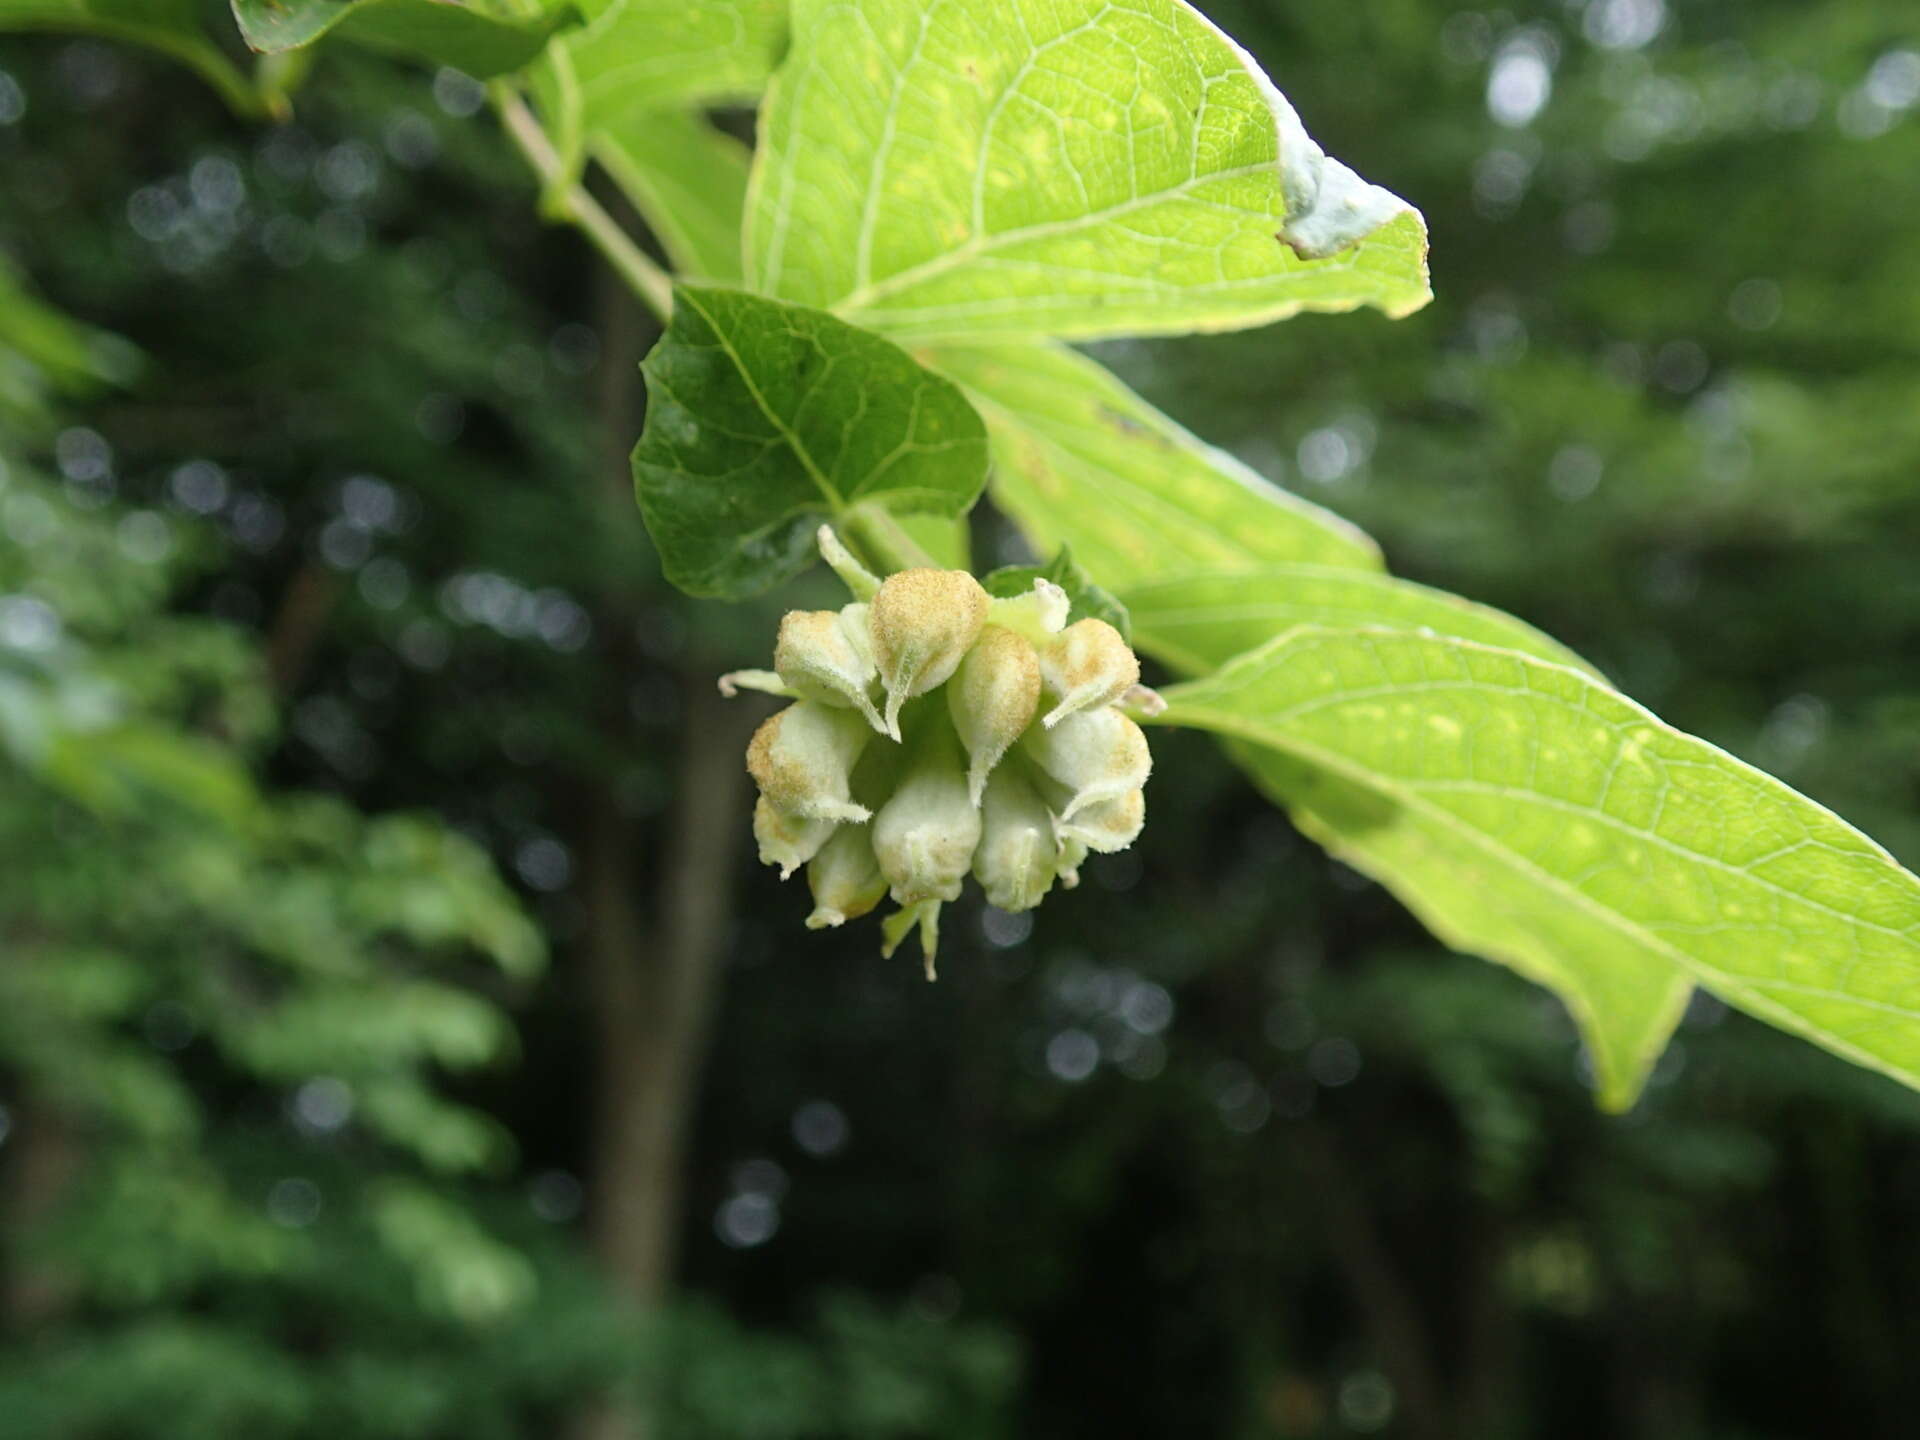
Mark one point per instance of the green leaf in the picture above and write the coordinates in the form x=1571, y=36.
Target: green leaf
x=459, y=1268
x=67, y=355
x=482, y=41
x=765, y=419
x=1072, y=168
x=170, y=26
x=1088, y=601
x=602, y=87
x=179, y=16
x=1080, y=460
x=689, y=183
x=946, y=539
x=1199, y=622
x=654, y=54
x=133, y=767
x=1525, y=809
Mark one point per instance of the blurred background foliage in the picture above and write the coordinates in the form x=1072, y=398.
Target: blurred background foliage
x=395, y=1039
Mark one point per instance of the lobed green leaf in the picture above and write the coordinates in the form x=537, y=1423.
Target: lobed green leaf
x=1080, y=460
x=655, y=54
x=765, y=419
x=1529, y=810
x=1198, y=623
x=483, y=42
x=1627, y=1007
x=1070, y=168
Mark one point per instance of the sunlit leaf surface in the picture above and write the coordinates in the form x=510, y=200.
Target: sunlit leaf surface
x=1200, y=622
x=651, y=53
x=1070, y=168
x=689, y=181
x=1522, y=801
x=481, y=41
x=1080, y=460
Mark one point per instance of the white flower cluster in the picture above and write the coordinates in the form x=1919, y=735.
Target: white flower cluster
x=936, y=732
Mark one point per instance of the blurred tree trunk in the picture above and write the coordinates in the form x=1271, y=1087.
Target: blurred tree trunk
x=42, y=1158
x=1380, y=1292
x=653, y=993
x=652, y=969
x=1489, y=1344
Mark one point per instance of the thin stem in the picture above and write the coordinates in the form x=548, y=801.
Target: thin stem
x=196, y=53
x=646, y=279
x=884, y=541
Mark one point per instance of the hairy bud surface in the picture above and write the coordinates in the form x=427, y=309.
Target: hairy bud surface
x=936, y=733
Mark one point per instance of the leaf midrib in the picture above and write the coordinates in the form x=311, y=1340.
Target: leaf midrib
x=862, y=296
x=836, y=502
x=1598, y=816
x=1785, y=1018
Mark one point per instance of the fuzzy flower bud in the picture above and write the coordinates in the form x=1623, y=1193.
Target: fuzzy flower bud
x=845, y=878
x=1095, y=755
x=1108, y=825
x=1088, y=664
x=924, y=622
x=961, y=783
x=992, y=698
x=1018, y=856
x=803, y=757
x=827, y=656
x=787, y=840
x=925, y=835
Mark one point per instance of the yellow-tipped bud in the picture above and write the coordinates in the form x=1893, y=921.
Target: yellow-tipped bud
x=973, y=785
x=992, y=698
x=1109, y=825
x=825, y=655
x=1086, y=665
x=1094, y=755
x=845, y=878
x=787, y=840
x=924, y=836
x=1018, y=855
x=802, y=759
x=924, y=622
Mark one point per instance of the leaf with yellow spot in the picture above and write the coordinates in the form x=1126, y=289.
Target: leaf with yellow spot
x=1554, y=825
